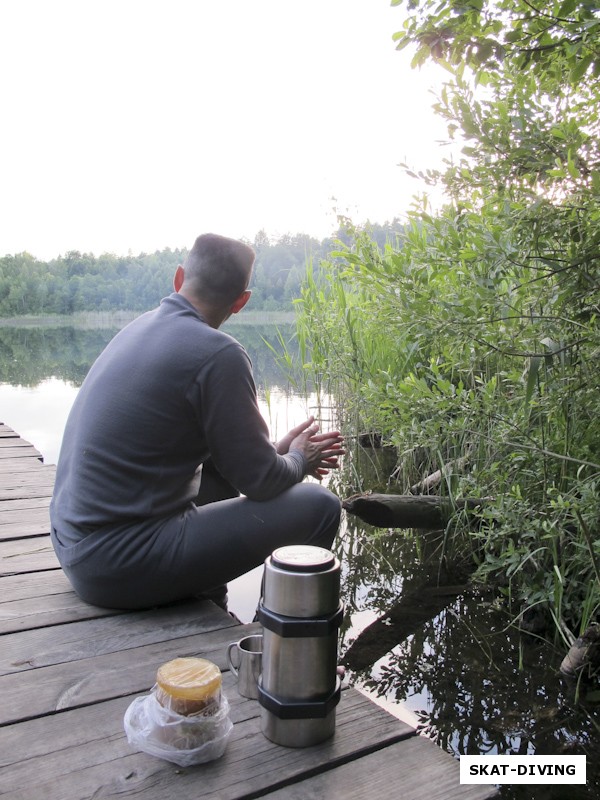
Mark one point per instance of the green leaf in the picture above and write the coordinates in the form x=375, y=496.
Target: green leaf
x=532, y=376
x=558, y=133
x=573, y=171
x=557, y=570
x=566, y=8
x=581, y=68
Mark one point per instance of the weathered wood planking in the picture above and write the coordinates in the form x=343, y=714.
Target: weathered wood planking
x=61, y=644
x=16, y=524
x=25, y=490
x=42, y=586
x=101, y=763
x=28, y=613
x=25, y=485
x=18, y=448
x=41, y=599
x=408, y=769
x=23, y=465
x=24, y=503
x=86, y=679
x=6, y=432
x=12, y=446
x=27, y=555
x=14, y=440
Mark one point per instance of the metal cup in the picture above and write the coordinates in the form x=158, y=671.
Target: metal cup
x=246, y=663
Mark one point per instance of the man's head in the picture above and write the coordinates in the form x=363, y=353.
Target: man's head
x=216, y=273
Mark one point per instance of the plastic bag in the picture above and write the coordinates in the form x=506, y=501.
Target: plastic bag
x=185, y=741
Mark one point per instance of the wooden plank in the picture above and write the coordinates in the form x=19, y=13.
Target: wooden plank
x=30, y=465
x=100, y=763
x=37, y=612
x=26, y=469
x=27, y=555
x=39, y=585
x=10, y=514
x=23, y=471
x=15, y=479
x=28, y=740
x=6, y=432
x=23, y=504
x=25, y=527
x=416, y=769
x=24, y=518
x=16, y=450
x=86, y=681
x=26, y=485
x=78, y=640
x=39, y=599
x=14, y=442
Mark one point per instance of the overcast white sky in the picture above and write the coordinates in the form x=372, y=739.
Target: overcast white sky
x=138, y=124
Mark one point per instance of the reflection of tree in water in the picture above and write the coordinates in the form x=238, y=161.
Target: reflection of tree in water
x=31, y=355
x=489, y=690
x=268, y=373
x=477, y=684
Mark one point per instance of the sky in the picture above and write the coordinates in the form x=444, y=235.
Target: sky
x=135, y=125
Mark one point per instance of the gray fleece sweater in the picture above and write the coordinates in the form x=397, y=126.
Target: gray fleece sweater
x=167, y=392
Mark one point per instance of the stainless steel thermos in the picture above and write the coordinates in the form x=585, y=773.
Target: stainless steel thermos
x=300, y=612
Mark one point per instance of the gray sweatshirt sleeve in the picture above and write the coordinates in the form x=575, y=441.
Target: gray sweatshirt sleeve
x=223, y=399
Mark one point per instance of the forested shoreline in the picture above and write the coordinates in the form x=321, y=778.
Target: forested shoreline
x=82, y=282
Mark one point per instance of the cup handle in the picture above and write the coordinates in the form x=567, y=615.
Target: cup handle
x=232, y=666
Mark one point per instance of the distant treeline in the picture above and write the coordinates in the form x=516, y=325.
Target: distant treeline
x=84, y=282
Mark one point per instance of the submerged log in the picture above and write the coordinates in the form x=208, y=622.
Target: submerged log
x=427, y=512
x=434, y=480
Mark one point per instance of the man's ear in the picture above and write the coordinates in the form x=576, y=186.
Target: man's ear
x=178, y=278
x=241, y=301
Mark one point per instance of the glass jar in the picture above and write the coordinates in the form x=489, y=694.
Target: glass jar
x=189, y=686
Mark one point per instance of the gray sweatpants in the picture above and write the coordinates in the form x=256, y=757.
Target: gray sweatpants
x=198, y=551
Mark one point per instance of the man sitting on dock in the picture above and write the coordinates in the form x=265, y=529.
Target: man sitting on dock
x=167, y=485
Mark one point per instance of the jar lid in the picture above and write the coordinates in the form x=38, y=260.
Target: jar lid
x=189, y=678
x=303, y=558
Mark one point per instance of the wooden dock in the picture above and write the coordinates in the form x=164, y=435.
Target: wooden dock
x=68, y=672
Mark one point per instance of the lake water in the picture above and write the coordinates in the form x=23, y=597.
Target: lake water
x=459, y=671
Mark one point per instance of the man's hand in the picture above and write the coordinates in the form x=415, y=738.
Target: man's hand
x=321, y=450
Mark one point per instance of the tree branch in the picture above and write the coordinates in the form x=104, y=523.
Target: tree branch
x=549, y=16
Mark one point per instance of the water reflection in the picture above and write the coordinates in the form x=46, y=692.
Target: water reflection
x=29, y=356
x=415, y=634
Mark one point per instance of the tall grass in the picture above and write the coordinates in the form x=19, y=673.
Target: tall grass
x=447, y=356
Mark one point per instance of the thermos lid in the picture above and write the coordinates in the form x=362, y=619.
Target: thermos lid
x=302, y=558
